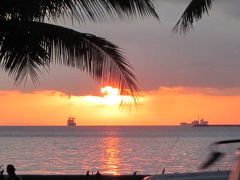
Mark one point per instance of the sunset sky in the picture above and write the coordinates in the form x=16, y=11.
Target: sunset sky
x=181, y=77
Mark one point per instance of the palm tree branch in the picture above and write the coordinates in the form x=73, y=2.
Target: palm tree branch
x=193, y=12
x=26, y=47
x=81, y=10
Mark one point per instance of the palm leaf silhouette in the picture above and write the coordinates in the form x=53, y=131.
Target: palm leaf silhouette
x=213, y=158
x=28, y=44
x=216, y=155
x=28, y=47
x=193, y=12
x=80, y=10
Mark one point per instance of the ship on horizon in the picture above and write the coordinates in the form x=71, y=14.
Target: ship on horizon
x=71, y=121
x=195, y=123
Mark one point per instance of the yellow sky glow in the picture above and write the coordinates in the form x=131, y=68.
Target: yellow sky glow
x=166, y=106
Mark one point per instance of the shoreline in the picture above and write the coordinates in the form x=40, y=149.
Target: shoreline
x=79, y=177
x=206, y=175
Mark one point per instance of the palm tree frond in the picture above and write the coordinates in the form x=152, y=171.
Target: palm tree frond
x=81, y=10
x=27, y=47
x=193, y=12
x=19, y=55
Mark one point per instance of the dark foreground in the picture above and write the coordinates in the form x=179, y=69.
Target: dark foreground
x=81, y=177
x=222, y=175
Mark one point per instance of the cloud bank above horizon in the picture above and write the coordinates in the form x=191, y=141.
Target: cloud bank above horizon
x=165, y=106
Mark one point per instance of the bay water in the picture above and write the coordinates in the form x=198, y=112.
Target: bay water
x=113, y=149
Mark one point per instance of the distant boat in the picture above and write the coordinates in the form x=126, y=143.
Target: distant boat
x=185, y=124
x=202, y=122
x=195, y=123
x=71, y=121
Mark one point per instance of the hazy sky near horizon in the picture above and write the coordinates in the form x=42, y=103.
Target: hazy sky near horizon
x=207, y=57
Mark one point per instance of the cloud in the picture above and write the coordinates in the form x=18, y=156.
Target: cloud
x=208, y=91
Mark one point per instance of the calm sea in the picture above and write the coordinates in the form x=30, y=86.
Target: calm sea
x=112, y=150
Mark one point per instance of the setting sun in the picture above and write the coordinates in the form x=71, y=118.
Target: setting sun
x=108, y=90
x=111, y=95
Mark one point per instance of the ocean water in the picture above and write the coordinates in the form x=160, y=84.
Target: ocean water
x=113, y=150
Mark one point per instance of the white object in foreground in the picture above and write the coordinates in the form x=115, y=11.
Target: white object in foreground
x=221, y=175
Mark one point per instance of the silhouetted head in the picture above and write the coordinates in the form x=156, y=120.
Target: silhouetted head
x=10, y=169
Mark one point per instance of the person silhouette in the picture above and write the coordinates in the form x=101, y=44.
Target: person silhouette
x=134, y=175
x=87, y=175
x=11, y=173
x=98, y=173
x=1, y=171
x=163, y=171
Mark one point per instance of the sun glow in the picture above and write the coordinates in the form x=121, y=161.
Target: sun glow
x=111, y=95
x=166, y=106
x=108, y=90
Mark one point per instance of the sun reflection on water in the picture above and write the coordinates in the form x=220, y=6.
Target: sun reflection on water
x=111, y=155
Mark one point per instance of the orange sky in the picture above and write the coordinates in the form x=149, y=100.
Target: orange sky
x=167, y=106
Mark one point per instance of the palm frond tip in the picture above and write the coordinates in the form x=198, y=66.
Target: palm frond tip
x=193, y=12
